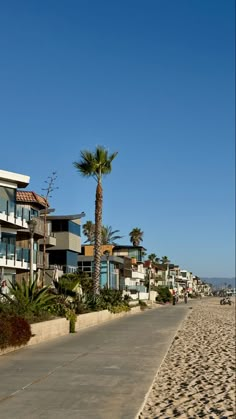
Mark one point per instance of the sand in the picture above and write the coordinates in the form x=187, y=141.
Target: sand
x=197, y=377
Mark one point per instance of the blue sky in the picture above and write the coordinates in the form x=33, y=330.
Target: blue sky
x=153, y=80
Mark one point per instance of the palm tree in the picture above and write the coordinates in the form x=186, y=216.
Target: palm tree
x=96, y=164
x=109, y=236
x=153, y=258
x=89, y=231
x=165, y=260
x=136, y=236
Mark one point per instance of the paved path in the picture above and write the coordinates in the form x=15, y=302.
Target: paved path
x=103, y=372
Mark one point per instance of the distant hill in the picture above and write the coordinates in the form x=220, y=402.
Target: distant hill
x=221, y=282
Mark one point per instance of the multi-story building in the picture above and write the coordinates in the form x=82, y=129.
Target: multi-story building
x=113, y=268
x=53, y=244
x=14, y=227
x=134, y=280
x=121, y=266
x=67, y=232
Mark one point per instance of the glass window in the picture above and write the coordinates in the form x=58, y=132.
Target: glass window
x=8, y=238
x=34, y=213
x=71, y=258
x=59, y=225
x=7, y=200
x=74, y=228
x=87, y=263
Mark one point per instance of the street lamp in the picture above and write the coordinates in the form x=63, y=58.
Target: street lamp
x=107, y=254
x=149, y=280
x=32, y=225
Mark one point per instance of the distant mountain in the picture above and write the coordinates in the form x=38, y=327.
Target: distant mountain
x=221, y=282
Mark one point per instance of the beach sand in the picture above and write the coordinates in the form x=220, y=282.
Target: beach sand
x=197, y=378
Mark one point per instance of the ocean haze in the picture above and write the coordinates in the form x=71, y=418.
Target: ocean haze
x=220, y=282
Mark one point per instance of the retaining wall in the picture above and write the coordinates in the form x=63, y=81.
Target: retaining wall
x=50, y=329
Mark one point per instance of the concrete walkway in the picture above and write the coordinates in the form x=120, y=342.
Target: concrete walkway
x=103, y=372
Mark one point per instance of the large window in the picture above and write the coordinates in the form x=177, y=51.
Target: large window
x=8, y=238
x=135, y=253
x=7, y=200
x=74, y=228
x=66, y=225
x=71, y=258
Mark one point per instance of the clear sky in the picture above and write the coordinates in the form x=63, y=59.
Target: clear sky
x=151, y=79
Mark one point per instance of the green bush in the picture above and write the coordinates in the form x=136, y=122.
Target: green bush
x=28, y=298
x=118, y=308
x=108, y=299
x=164, y=294
x=71, y=316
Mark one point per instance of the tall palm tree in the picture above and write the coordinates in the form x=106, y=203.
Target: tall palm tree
x=136, y=236
x=89, y=231
x=96, y=165
x=109, y=236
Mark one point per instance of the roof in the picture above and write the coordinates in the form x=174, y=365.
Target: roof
x=66, y=217
x=21, y=181
x=150, y=264
x=129, y=247
x=30, y=196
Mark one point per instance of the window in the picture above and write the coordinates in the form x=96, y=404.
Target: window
x=7, y=200
x=65, y=225
x=34, y=212
x=74, y=228
x=71, y=258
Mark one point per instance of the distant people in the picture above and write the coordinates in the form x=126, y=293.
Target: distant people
x=174, y=298
x=4, y=287
x=185, y=297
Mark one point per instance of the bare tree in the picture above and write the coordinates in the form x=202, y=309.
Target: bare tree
x=48, y=191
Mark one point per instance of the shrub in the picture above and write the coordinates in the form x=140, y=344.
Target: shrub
x=164, y=294
x=14, y=331
x=20, y=331
x=143, y=305
x=71, y=316
x=118, y=308
x=27, y=298
x=5, y=332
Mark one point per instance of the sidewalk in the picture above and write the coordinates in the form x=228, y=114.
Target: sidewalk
x=103, y=372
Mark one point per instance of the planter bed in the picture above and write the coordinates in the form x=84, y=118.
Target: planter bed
x=50, y=329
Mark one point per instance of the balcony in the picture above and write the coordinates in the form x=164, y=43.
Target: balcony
x=137, y=275
x=12, y=256
x=50, y=240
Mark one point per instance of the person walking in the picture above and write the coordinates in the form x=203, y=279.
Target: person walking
x=185, y=297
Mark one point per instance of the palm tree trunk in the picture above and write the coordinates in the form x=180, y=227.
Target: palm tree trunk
x=98, y=238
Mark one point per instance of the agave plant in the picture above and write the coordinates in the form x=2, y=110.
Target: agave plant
x=28, y=297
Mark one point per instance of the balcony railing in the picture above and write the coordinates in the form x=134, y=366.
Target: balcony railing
x=14, y=213
x=20, y=256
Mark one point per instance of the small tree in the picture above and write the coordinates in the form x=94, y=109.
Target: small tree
x=49, y=189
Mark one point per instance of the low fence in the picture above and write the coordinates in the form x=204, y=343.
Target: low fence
x=50, y=329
